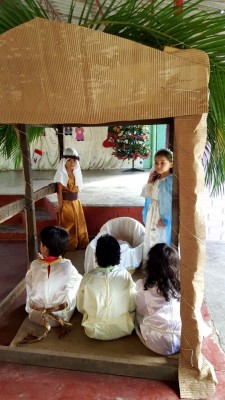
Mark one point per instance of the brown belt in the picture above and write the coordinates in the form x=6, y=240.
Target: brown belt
x=45, y=314
x=70, y=196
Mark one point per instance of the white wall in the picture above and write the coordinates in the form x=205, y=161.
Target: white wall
x=93, y=155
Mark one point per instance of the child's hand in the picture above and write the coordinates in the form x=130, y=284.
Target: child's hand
x=160, y=222
x=152, y=176
x=40, y=256
x=58, y=215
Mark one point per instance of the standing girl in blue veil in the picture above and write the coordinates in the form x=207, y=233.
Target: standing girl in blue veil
x=157, y=212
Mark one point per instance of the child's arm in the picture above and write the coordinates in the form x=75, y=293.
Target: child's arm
x=132, y=294
x=76, y=279
x=80, y=297
x=72, y=287
x=28, y=281
x=141, y=307
x=60, y=199
x=153, y=174
x=147, y=188
x=39, y=256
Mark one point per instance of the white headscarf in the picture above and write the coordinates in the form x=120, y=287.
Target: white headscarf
x=61, y=175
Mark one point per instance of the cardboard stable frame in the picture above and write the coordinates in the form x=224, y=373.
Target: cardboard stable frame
x=55, y=73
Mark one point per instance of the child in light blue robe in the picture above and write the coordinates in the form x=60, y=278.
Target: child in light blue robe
x=157, y=211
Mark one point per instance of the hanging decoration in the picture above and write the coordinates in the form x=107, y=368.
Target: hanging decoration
x=179, y=5
x=68, y=130
x=113, y=132
x=79, y=134
x=37, y=154
x=131, y=143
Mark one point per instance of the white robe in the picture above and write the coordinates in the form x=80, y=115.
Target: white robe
x=153, y=233
x=158, y=322
x=44, y=291
x=158, y=206
x=106, y=300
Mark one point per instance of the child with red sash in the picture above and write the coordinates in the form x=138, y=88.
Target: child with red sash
x=52, y=283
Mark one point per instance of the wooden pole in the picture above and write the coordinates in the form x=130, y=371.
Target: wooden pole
x=175, y=194
x=31, y=230
x=60, y=140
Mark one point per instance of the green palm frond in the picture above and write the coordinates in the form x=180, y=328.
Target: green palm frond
x=9, y=144
x=16, y=12
x=214, y=159
x=71, y=11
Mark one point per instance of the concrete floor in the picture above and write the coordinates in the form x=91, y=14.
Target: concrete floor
x=215, y=287
x=110, y=188
x=101, y=187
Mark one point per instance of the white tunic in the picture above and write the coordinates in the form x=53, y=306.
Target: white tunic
x=106, y=298
x=158, y=322
x=51, y=286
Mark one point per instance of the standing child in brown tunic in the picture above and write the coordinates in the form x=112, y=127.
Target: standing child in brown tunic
x=71, y=216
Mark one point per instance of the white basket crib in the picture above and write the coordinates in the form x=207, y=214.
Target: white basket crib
x=130, y=234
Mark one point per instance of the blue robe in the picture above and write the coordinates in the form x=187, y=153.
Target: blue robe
x=165, y=205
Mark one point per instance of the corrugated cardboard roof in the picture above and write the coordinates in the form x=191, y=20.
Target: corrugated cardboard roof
x=57, y=73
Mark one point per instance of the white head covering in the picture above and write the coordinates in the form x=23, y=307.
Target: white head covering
x=61, y=175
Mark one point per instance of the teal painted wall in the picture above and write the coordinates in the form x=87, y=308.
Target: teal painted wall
x=157, y=140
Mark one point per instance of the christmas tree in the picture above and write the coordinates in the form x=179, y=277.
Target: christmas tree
x=131, y=143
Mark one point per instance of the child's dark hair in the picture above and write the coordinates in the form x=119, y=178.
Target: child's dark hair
x=55, y=239
x=166, y=153
x=162, y=270
x=107, y=251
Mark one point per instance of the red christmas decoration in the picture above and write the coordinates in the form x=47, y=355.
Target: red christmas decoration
x=113, y=132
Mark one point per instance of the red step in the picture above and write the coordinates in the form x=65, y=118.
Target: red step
x=15, y=227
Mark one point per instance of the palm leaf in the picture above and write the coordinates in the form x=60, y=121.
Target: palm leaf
x=71, y=11
x=9, y=144
x=14, y=13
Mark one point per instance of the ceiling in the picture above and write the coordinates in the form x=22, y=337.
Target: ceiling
x=59, y=9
